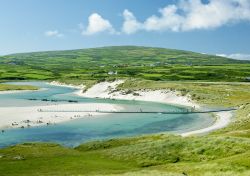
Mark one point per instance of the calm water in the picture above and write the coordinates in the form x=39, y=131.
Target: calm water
x=74, y=132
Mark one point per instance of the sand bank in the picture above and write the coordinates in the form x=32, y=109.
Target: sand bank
x=222, y=120
x=17, y=91
x=15, y=117
x=108, y=90
x=56, y=83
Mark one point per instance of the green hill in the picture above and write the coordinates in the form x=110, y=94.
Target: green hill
x=122, y=61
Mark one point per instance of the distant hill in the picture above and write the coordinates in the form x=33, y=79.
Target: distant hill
x=127, y=55
x=116, y=61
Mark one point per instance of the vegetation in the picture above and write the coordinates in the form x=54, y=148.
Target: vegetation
x=226, y=94
x=211, y=155
x=52, y=159
x=225, y=152
x=128, y=61
x=7, y=87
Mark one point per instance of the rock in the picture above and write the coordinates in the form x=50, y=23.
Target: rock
x=18, y=157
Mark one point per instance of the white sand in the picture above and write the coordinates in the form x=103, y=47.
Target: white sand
x=223, y=119
x=10, y=115
x=56, y=83
x=17, y=91
x=108, y=90
x=13, y=117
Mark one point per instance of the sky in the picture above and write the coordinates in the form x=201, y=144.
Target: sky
x=207, y=26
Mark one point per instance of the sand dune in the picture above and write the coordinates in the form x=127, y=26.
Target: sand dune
x=108, y=90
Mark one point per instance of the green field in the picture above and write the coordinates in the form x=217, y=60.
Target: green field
x=209, y=80
x=9, y=87
x=128, y=61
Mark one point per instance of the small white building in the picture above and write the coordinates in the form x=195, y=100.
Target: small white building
x=112, y=73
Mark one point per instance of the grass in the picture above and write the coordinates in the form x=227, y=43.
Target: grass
x=226, y=94
x=52, y=159
x=163, y=149
x=9, y=87
x=148, y=63
x=159, y=154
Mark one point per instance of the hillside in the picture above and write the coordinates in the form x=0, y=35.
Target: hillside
x=122, y=61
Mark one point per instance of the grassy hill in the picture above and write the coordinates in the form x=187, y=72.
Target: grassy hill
x=122, y=61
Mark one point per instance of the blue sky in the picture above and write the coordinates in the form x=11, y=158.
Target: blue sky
x=215, y=27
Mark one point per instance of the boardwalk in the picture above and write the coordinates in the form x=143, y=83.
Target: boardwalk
x=141, y=112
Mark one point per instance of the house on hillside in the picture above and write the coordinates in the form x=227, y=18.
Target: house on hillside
x=112, y=73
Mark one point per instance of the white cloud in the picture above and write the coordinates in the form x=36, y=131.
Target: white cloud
x=53, y=33
x=169, y=20
x=97, y=24
x=236, y=56
x=130, y=25
x=191, y=15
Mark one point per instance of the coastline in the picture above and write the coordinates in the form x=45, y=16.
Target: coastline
x=23, y=117
x=222, y=120
x=57, y=83
x=107, y=90
x=17, y=91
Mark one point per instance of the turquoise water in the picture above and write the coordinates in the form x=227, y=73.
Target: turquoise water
x=108, y=126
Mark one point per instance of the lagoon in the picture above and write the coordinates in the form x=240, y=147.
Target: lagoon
x=75, y=132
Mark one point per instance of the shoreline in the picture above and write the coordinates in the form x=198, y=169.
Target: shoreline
x=107, y=90
x=24, y=117
x=17, y=91
x=57, y=83
x=222, y=120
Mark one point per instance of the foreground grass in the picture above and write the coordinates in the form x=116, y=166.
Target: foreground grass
x=52, y=159
x=8, y=87
x=157, y=154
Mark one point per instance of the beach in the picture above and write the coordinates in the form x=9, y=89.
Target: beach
x=16, y=117
x=222, y=120
x=57, y=83
x=108, y=90
x=23, y=117
x=17, y=91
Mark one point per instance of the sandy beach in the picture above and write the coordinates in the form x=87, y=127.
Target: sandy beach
x=108, y=90
x=13, y=117
x=16, y=117
x=18, y=91
x=222, y=120
x=56, y=83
